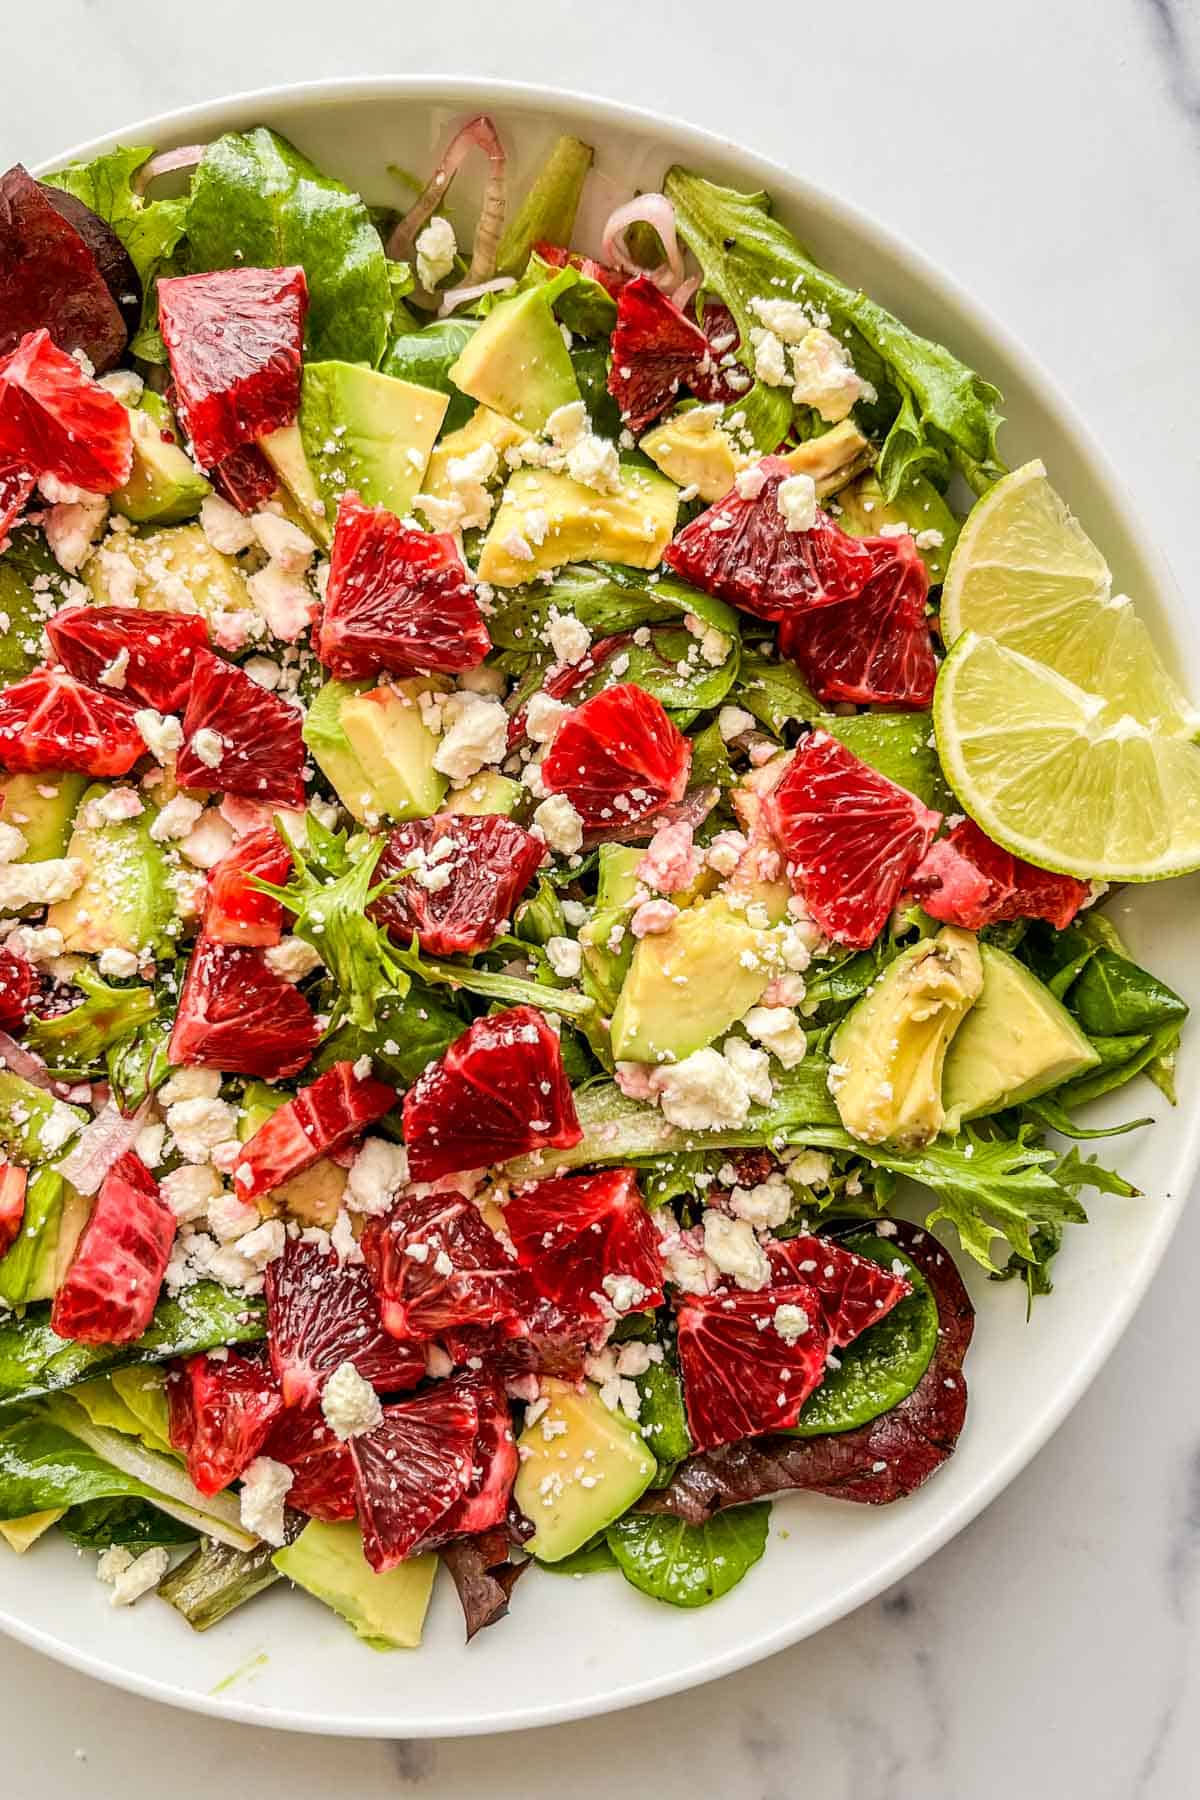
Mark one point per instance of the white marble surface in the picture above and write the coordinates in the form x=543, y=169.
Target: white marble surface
x=1048, y=152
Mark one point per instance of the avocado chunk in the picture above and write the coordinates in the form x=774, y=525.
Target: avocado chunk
x=367, y=433
x=165, y=487
x=517, y=362
x=374, y=747
x=27, y=1272
x=33, y=1124
x=21, y=1534
x=42, y=807
x=688, y=984
x=125, y=901
x=889, y=1050
x=23, y=611
x=483, y=427
x=581, y=1467
x=918, y=506
x=175, y=570
x=577, y=524
x=694, y=451
x=1017, y=1041
x=605, y=940
x=833, y=459
x=284, y=450
x=387, y=1611
x=487, y=792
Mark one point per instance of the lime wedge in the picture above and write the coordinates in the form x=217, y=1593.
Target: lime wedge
x=1026, y=574
x=1046, y=769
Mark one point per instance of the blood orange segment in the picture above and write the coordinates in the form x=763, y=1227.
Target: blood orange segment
x=438, y=1267
x=18, y=983
x=16, y=485
x=618, y=758
x=12, y=1204
x=156, y=649
x=52, y=721
x=322, y=1469
x=235, y=339
x=338, y=1106
x=875, y=648
x=613, y=280
x=741, y=550
x=260, y=752
x=398, y=598
x=850, y=838
x=749, y=1361
x=235, y=912
x=470, y=873
x=110, y=1289
x=966, y=879
x=236, y=1015
x=499, y=1091
x=55, y=420
x=656, y=350
x=221, y=1411
x=855, y=1292
x=588, y=1243
x=321, y=1314
x=494, y=1462
x=412, y=1469
x=49, y=276
x=245, y=478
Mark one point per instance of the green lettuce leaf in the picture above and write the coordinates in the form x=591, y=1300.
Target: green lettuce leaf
x=605, y=598
x=942, y=412
x=98, y=1524
x=72, y=1043
x=256, y=201
x=149, y=230
x=216, y=1579
x=662, y=1419
x=424, y=356
x=547, y=213
x=776, y=693
x=689, y=1565
x=34, y=1360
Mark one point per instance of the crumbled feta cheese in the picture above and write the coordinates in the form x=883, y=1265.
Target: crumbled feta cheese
x=112, y=1562
x=704, y=1092
x=263, y=1243
x=13, y=843
x=39, y=945
x=112, y=675
x=161, y=734
x=226, y=529
x=567, y=637
x=265, y=1486
x=436, y=249
x=777, y=1028
x=543, y=716
x=791, y=1322
x=770, y=363
x=824, y=377
x=139, y=1576
x=208, y=746
x=593, y=461
x=765, y=1206
x=733, y=1247
x=753, y=1067
x=733, y=720
x=929, y=539
x=565, y=957
x=624, y=1292
x=376, y=1176
x=476, y=735
x=39, y=883
x=121, y=964
x=797, y=502
x=208, y=841
x=284, y=599
x=750, y=482
x=726, y=851
x=558, y=824
x=72, y=528
x=350, y=1404
x=198, y=1126
x=283, y=542
x=190, y=1084
x=653, y=916
x=291, y=958
x=176, y=819
x=788, y=319
x=265, y=671
x=671, y=862
x=116, y=804
x=148, y=1144
x=469, y=504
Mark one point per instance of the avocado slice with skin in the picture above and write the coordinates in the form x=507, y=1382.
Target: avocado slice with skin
x=387, y=1611
x=165, y=487
x=42, y=807
x=1017, y=1042
x=578, y=524
x=125, y=901
x=581, y=1467
x=690, y=983
x=367, y=433
x=373, y=745
x=517, y=363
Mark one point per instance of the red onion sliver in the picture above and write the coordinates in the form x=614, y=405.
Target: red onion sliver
x=29, y=1067
x=649, y=209
x=185, y=158
x=479, y=133
x=100, y=1145
x=451, y=298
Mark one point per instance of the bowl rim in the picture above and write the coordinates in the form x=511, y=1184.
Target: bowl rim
x=230, y=111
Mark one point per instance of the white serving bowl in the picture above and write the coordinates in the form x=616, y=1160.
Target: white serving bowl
x=574, y=1647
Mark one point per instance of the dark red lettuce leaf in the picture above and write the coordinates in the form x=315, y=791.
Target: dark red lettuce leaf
x=483, y=1576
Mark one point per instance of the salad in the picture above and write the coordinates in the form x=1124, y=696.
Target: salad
x=558, y=816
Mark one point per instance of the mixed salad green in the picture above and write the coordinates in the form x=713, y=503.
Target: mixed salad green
x=510, y=912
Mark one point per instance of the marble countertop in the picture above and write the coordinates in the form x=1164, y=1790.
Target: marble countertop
x=1049, y=156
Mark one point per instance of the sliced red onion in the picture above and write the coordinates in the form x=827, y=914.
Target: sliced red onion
x=187, y=157
x=649, y=209
x=99, y=1146
x=452, y=298
x=478, y=133
x=29, y=1067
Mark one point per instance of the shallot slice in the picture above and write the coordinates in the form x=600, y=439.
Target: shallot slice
x=99, y=1146
x=647, y=209
x=186, y=157
x=478, y=133
x=452, y=298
